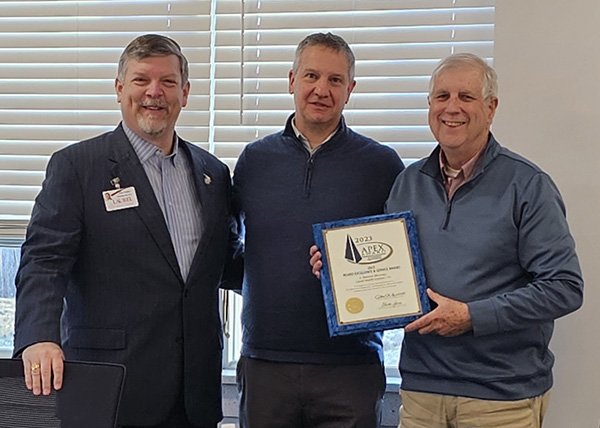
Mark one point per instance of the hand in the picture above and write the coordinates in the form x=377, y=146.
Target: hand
x=315, y=261
x=42, y=363
x=450, y=318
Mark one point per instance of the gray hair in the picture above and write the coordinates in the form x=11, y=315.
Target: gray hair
x=152, y=45
x=327, y=40
x=490, y=78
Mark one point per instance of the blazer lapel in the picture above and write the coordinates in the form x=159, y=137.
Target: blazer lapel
x=128, y=168
x=205, y=190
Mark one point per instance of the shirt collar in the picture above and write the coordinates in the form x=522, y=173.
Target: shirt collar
x=467, y=169
x=145, y=149
x=305, y=142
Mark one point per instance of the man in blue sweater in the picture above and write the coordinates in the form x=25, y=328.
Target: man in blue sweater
x=500, y=264
x=291, y=373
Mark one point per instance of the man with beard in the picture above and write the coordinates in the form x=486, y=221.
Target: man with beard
x=128, y=241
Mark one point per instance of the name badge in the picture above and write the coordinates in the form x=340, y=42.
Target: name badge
x=119, y=199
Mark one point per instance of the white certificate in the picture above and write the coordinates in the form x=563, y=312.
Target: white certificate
x=372, y=273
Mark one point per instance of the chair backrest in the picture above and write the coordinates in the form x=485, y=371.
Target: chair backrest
x=89, y=397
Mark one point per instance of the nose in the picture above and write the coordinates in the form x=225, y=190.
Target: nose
x=154, y=89
x=321, y=88
x=453, y=104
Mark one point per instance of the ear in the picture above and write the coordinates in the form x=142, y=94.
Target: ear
x=186, y=93
x=291, y=79
x=118, y=89
x=492, y=106
x=350, y=89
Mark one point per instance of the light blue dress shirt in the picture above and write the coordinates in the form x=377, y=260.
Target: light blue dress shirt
x=171, y=178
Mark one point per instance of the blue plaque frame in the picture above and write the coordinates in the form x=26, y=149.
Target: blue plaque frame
x=337, y=329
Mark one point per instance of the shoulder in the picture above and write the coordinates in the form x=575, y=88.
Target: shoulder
x=267, y=148
x=268, y=143
x=517, y=161
x=377, y=151
x=505, y=160
x=98, y=145
x=521, y=171
x=86, y=154
x=198, y=151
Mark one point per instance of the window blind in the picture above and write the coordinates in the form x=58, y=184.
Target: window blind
x=59, y=61
x=397, y=43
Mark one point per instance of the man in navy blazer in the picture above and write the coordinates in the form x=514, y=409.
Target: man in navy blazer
x=129, y=240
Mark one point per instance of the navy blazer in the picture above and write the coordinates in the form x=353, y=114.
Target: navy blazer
x=124, y=298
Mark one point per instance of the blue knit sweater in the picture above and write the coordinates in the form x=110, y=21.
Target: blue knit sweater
x=280, y=190
x=502, y=245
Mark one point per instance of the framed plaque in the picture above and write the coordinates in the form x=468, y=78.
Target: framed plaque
x=372, y=276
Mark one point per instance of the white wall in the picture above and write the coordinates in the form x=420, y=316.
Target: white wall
x=547, y=55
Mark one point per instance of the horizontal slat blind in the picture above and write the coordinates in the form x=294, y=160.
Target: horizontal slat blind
x=59, y=62
x=396, y=43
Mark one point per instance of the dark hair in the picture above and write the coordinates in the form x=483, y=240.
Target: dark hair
x=150, y=45
x=327, y=40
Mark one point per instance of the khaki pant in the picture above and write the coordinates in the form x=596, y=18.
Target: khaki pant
x=420, y=410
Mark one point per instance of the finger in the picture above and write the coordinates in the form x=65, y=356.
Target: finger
x=428, y=328
x=315, y=258
x=35, y=370
x=317, y=268
x=433, y=295
x=27, y=374
x=313, y=250
x=412, y=326
x=46, y=376
x=419, y=323
x=57, y=372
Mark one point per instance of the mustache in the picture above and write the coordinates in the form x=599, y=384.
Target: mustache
x=153, y=103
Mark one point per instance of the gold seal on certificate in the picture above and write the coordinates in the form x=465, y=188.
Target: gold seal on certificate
x=372, y=274
x=354, y=305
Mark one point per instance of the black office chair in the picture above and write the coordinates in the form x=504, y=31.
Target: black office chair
x=89, y=397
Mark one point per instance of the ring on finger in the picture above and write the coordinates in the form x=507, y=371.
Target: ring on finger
x=35, y=368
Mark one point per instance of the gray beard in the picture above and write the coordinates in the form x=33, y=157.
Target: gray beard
x=151, y=129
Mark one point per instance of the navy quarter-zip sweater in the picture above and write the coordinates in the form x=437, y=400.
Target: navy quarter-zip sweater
x=280, y=190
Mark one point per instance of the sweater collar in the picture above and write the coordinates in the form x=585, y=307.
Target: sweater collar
x=431, y=166
x=333, y=141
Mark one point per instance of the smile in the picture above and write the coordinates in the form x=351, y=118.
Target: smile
x=452, y=124
x=153, y=107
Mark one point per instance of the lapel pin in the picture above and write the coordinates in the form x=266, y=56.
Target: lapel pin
x=116, y=182
x=207, y=179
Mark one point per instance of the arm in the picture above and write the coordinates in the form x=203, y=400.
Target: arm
x=234, y=271
x=47, y=257
x=547, y=254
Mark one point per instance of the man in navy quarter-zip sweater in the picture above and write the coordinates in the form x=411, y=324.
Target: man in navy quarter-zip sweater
x=499, y=260
x=291, y=373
